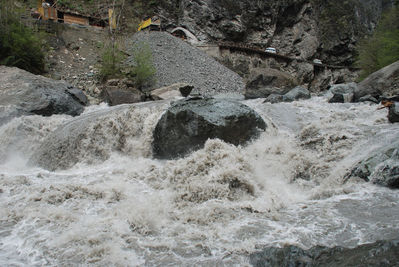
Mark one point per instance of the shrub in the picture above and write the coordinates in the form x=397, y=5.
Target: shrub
x=111, y=62
x=19, y=45
x=382, y=48
x=142, y=70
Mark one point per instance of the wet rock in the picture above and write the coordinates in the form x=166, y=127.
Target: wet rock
x=273, y=98
x=296, y=94
x=381, y=167
x=380, y=84
x=23, y=93
x=263, y=82
x=173, y=91
x=187, y=124
x=342, y=93
x=368, y=98
x=380, y=253
x=393, y=112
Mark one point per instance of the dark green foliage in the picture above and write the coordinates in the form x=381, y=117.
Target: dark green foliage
x=19, y=45
x=143, y=70
x=382, y=48
x=111, y=62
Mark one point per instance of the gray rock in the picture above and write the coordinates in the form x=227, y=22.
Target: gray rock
x=296, y=94
x=393, y=112
x=121, y=91
x=381, y=167
x=382, y=83
x=187, y=124
x=174, y=91
x=342, y=93
x=116, y=96
x=368, y=98
x=263, y=82
x=23, y=93
x=273, y=98
x=379, y=253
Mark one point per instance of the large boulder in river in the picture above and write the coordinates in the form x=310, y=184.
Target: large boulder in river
x=342, y=93
x=188, y=123
x=381, y=167
x=263, y=82
x=23, y=93
x=382, y=83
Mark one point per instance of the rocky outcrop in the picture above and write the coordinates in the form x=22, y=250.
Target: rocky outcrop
x=381, y=167
x=187, y=124
x=116, y=92
x=307, y=29
x=379, y=253
x=23, y=93
x=263, y=82
x=383, y=83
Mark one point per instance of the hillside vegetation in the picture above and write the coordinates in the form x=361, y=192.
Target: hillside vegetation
x=19, y=45
x=381, y=48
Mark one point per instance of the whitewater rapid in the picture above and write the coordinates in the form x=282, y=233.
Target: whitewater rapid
x=117, y=206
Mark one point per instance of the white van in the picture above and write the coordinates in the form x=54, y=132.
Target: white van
x=317, y=61
x=271, y=50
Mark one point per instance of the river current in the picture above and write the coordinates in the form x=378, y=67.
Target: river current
x=211, y=208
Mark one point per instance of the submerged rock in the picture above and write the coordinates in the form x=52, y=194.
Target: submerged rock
x=23, y=93
x=382, y=167
x=380, y=253
x=187, y=124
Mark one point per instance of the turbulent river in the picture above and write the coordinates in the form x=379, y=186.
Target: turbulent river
x=120, y=207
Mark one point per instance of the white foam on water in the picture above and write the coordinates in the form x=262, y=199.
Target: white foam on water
x=212, y=207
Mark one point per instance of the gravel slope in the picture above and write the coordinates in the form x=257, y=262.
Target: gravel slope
x=178, y=61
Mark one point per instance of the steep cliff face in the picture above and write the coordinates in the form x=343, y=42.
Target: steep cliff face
x=326, y=29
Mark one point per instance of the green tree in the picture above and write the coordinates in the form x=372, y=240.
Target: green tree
x=19, y=45
x=111, y=62
x=381, y=48
x=142, y=70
